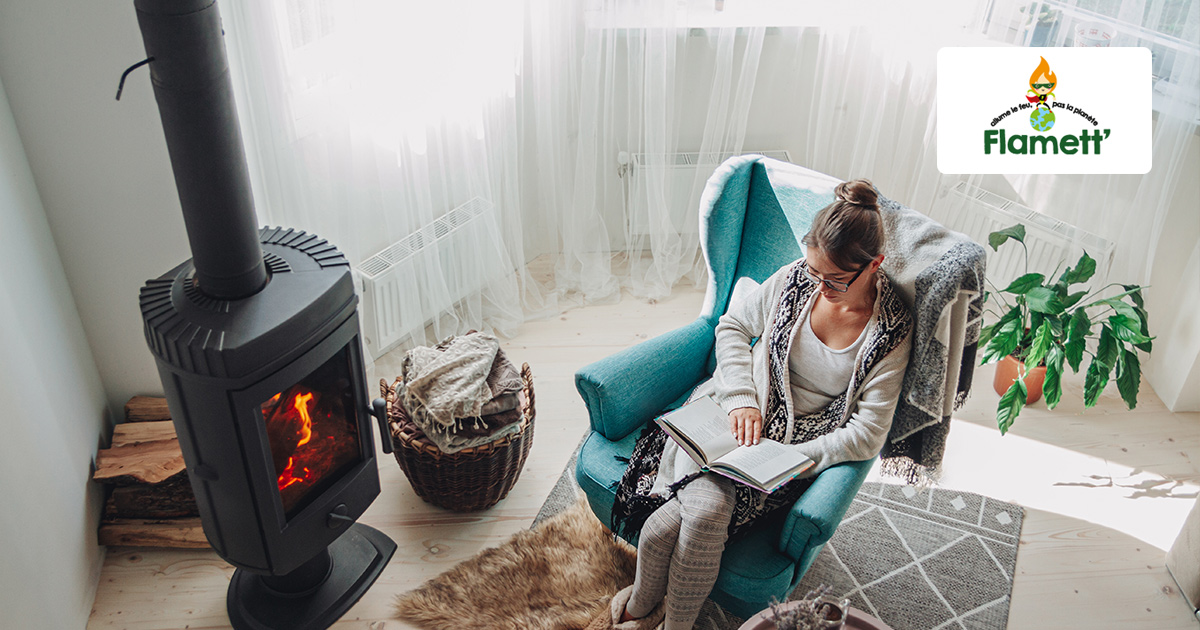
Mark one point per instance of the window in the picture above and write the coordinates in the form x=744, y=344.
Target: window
x=1158, y=25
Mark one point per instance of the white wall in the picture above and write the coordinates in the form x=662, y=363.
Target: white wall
x=54, y=415
x=1173, y=298
x=100, y=166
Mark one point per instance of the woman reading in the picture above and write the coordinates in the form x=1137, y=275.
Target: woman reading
x=824, y=376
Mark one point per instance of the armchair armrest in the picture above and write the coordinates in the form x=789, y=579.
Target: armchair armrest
x=817, y=513
x=624, y=390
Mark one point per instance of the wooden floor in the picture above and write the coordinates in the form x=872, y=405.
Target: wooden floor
x=1106, y=491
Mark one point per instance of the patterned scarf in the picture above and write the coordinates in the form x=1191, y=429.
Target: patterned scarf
x=634, y=503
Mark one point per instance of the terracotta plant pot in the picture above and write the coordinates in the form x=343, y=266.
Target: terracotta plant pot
x=1006, y=372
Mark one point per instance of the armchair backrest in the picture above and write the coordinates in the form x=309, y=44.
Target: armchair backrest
x=753, y=213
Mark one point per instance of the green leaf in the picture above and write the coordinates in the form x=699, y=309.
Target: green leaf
x=1040, y=345
x=1124, y=308
x=1145, y=332
x=1081, y=327
x=986, y=333
x=1035, y=322
x=1058, y=325
x=997, y=238
x=1010, y=405
x=1052, y=385
x=1127, y=330
x=1107, y=350
x=1135, y=292
x=1081, y=272
x=1094, y=382
x=1129, y=377
x=1022, y=285
x=1044, y=300
x=1004, y=341
x=1073, y=299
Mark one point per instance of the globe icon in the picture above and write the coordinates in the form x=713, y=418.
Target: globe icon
x=1041, y=119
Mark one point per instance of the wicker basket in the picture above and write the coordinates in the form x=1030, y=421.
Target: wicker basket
x=474, y=478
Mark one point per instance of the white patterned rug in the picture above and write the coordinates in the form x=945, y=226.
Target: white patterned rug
x=932, y=559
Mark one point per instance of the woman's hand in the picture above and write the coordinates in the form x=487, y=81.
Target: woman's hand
x=746, y=424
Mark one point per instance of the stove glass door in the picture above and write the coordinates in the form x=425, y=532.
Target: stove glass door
x=312, y=429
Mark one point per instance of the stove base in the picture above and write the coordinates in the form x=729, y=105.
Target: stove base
x=357, y=559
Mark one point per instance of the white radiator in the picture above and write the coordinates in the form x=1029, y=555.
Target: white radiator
x=684, y=176
x=977, y=213
x=411, y=282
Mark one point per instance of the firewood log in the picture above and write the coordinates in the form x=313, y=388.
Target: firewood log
x=172, y=498
x=143, y=462
x=146, y=408
x=131, y=433
x=181, y=532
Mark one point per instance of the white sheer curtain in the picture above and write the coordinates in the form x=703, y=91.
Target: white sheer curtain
x=368, y=119
x=1131, y=210
x=649, y=84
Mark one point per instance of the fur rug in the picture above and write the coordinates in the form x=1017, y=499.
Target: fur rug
x=556, y=576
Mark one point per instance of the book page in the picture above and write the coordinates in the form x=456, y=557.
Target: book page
x=705, y=424
x=764, y=461
x=720, y=444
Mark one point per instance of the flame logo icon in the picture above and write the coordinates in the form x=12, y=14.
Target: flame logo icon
x=1041, y=89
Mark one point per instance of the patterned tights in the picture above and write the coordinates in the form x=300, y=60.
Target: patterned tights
x=679, y=551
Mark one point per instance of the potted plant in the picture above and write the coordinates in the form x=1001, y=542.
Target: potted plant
x=1044, y=323
x=816, y=611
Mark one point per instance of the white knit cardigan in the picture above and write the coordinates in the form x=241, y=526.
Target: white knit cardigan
x=741, y=380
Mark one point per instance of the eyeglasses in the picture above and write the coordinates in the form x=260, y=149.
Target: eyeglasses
x=1042, y=85
x=840, y=287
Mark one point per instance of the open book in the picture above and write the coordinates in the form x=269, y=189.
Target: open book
x=701, y=428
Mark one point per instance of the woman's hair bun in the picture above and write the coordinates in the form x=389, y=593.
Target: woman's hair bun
x=859, y=192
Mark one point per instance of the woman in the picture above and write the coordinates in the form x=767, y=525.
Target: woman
x=824, y=376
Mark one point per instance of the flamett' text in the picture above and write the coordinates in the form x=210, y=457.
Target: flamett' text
x=1020, y=144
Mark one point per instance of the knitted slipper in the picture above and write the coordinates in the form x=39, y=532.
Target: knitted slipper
x=617, y=608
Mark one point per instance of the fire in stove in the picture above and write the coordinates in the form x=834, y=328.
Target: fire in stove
x=312, y=433
x=305, y=451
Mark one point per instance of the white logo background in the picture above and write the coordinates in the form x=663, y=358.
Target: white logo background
x=1112, y=85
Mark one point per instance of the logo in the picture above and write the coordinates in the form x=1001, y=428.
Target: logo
x=1014, y=116
x=1041, y=98
x=1041, y=84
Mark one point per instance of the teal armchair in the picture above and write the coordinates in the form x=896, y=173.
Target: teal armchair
x=753, y=213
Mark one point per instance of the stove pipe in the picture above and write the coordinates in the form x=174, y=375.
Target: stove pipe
x=190, y=74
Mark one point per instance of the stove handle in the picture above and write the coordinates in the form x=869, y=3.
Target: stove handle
x=379, y=410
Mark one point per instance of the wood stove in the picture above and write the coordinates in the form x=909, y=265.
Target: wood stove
x=258, y=348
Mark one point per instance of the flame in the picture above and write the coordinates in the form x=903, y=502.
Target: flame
x=1043, y=69
x=310, y=437
x=300, y=404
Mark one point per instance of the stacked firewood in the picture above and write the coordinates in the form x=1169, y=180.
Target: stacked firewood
x=151, y=504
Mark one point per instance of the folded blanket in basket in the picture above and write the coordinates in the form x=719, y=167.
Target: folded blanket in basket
x=462, y=392
x=489, y=425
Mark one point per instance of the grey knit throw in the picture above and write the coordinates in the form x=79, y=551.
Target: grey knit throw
x=946, y=270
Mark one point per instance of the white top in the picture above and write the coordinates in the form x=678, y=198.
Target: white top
x=819, y=374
